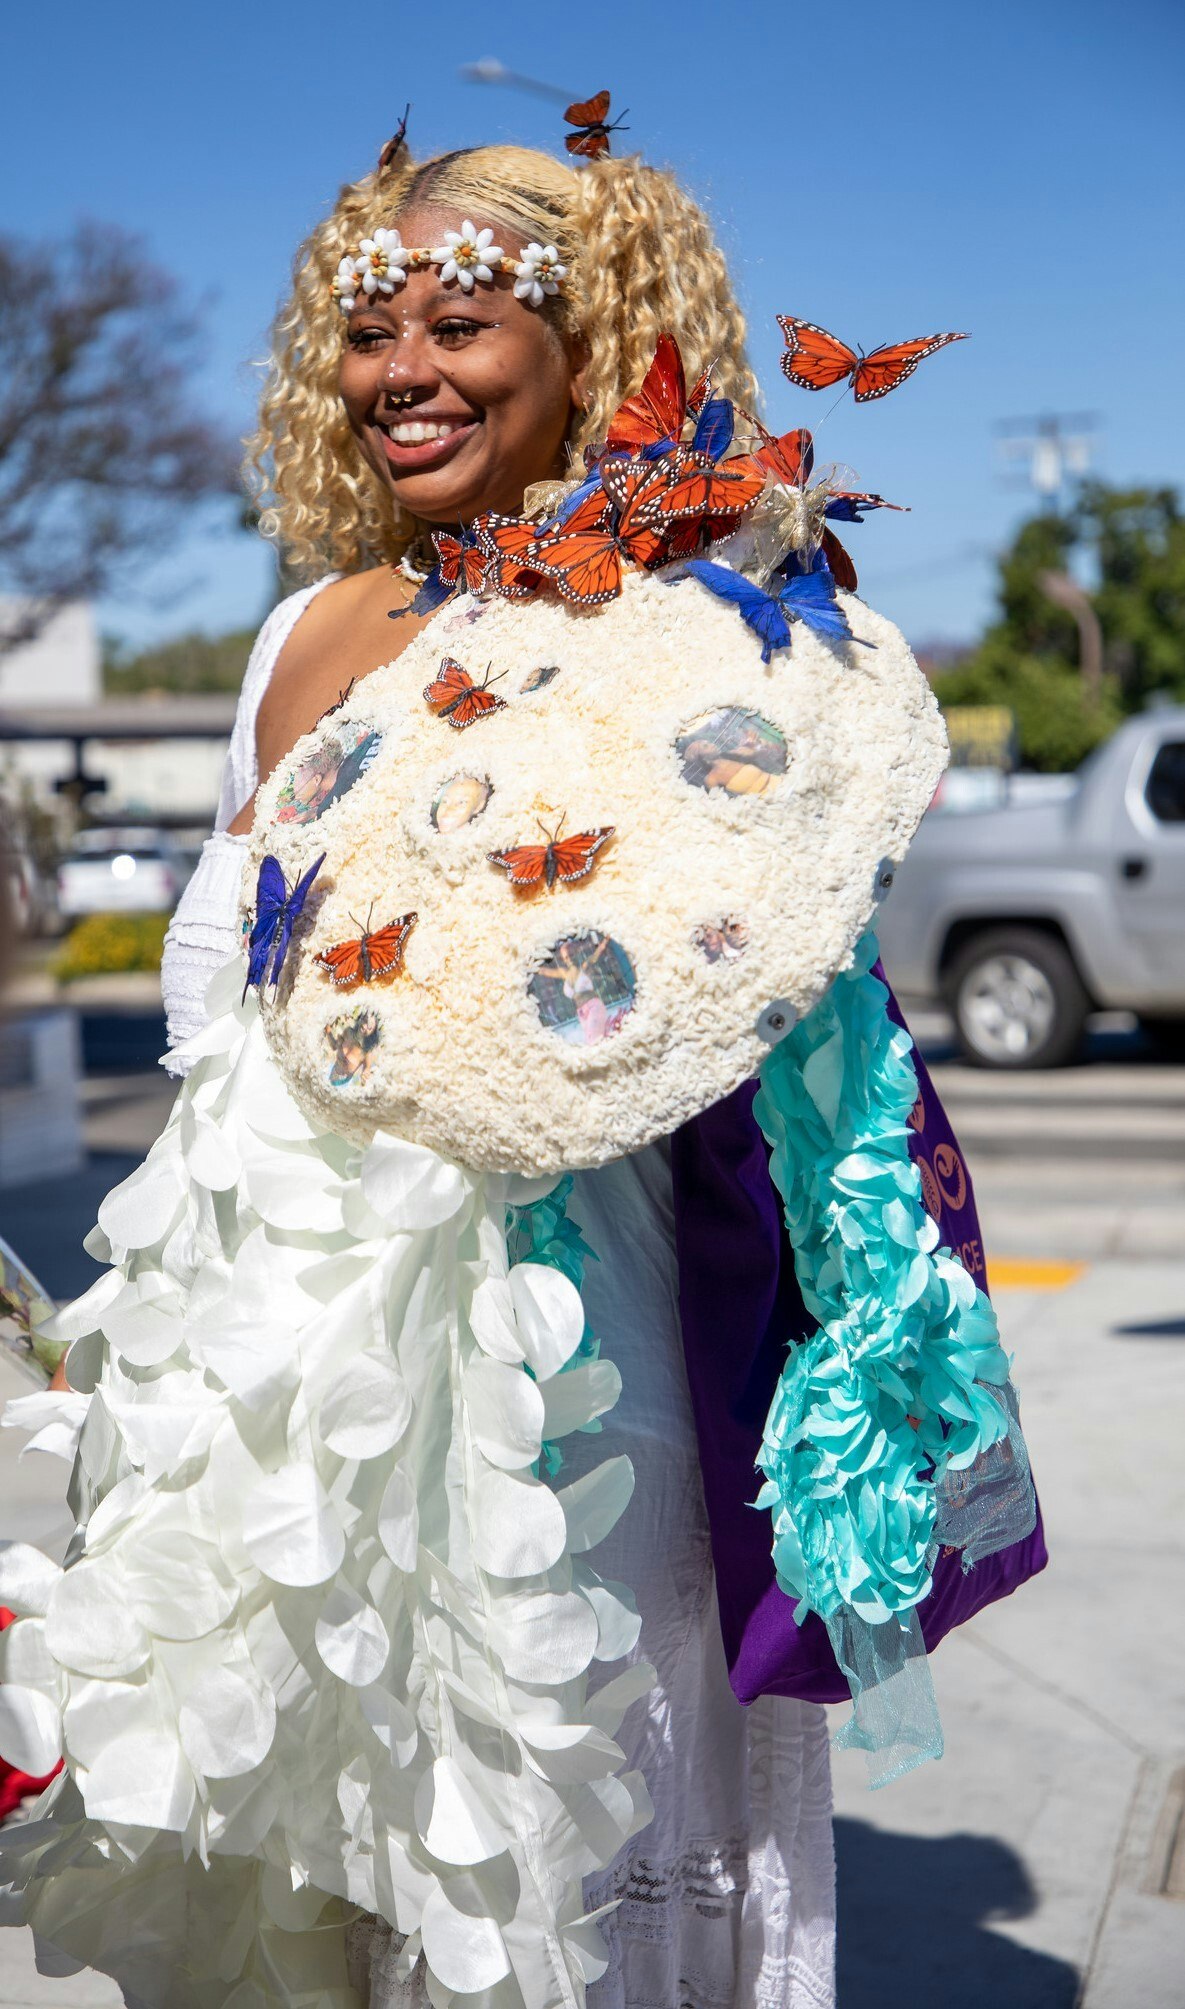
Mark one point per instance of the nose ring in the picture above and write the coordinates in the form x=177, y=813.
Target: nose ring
x=401, y=397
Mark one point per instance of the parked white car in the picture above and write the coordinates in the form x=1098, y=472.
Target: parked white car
x=135, y=871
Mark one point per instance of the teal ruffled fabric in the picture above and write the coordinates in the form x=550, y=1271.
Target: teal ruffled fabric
x=541, y=1232
x=905, y=1378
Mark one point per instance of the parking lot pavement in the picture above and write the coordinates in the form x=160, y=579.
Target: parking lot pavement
x=1026, y=1870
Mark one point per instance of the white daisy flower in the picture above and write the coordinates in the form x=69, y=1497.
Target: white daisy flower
x=383, y=263
x=539, y=272
x=344, y=286
x=467, y=254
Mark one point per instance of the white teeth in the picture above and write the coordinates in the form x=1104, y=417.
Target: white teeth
x=413, y=432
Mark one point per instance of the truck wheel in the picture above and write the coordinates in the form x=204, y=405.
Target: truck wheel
x=1016, y=999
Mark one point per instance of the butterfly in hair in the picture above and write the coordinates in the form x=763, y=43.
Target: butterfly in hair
x=815, y=360
x=591, y=116
x=391, y=149
x=454, y=696
x=565, y=858
x=371, y=956
x=277, y=911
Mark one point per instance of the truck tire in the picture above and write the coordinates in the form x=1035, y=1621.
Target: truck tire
x=1016, y=999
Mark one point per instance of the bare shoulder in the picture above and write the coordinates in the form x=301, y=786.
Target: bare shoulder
x=343, y=634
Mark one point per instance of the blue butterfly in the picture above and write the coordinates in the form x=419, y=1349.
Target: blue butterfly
x=276, y=913
x=804, y=595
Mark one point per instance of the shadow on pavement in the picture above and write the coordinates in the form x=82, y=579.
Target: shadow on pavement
x=1153, y=1328
x=915, y=1925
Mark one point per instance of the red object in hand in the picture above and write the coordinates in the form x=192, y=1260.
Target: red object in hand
x=17, y=1786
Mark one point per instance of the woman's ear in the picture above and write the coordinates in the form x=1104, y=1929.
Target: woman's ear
x=580, y=359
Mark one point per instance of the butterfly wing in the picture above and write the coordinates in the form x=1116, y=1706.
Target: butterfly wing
x=450, y=551
x=593, y=145
x=698, y=397
x=290, y=915
x=474, y=566
x=384, y=949
x=714, y=428
x=657, y=410
x=583, y=557
x=810, y=597
x=789, y=458
x=761, y=613
x=343, y=962
x=814, y=359
x=271, y=891
x=451, y=684
x=474, y=704
x=523, y=864
x=842, y=569
x=588, y=111
x=881, y=372
x=574, y=857
x=705, y=491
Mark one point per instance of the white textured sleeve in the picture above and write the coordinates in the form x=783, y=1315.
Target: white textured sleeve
x=203, y=935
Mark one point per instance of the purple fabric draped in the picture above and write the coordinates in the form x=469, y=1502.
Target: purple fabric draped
x=740, y=1308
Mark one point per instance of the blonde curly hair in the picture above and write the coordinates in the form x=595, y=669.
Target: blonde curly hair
x=641, y=256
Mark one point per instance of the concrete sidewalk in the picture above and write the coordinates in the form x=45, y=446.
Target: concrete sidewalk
x=1026, y=1870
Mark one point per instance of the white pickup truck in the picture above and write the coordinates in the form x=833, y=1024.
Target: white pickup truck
x=1026, y=919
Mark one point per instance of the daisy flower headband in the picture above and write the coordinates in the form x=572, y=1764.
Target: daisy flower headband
x=467, y=257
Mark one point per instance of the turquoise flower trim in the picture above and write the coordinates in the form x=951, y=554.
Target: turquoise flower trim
x=899, y=1382
x=543, y=1232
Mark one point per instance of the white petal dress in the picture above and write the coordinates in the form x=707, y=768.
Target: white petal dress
x=727, y=1898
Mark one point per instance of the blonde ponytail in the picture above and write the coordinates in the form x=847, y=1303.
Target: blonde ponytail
x=642, y=258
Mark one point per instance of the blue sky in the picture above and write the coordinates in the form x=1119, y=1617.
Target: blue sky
x=1012, y=169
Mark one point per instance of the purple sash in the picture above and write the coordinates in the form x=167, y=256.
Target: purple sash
x=740, y=1308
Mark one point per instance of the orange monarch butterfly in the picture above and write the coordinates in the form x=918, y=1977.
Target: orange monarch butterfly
x=659, y=409
x=371, y=956
x=814, y=360
x=567, y=858
x=454, y=695
x=591, y=114
x=460, y=558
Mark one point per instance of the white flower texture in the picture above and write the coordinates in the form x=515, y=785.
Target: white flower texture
x=344, y=287
x=382, y=265
x=467, y=254
x=539, y=272
x=298, y=1636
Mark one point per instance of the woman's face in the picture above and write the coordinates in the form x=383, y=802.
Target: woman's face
x=491, y=379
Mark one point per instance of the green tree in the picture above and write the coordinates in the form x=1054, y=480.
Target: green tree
x=190, y=663
x=1133, y=540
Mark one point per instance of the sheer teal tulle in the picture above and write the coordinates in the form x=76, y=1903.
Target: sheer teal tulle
x=902, y=1387
x=542, y=1232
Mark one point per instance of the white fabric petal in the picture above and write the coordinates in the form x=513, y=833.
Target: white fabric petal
x=88, y=1627
x=55, y=1417
x=399, y=1521
x=507, y=1410
x=27, y=1579
x=351, y=1638
x=227, y=1723
x=410, y=1187
x=550, y=1316
x=466, y=1950
x=595, y=1503
x=142, y=1782
x=30, y=1730
x=452, y=1818
x=290, y=1529
x=368, y=1409
x=520, y=1528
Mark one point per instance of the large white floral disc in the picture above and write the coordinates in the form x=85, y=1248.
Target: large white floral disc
x=753, y=808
